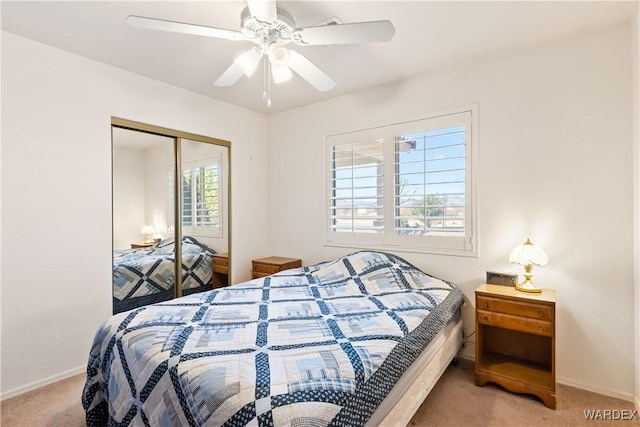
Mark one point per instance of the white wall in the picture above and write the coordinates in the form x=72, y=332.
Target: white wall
x=128, y=196
x=156, y=192
x=56, y=225
x=555, y=141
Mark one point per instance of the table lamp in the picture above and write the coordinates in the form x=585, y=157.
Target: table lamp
x=148, y=230
x=528, y=254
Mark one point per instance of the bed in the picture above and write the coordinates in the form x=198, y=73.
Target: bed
x=147, y=275
x=355, y=340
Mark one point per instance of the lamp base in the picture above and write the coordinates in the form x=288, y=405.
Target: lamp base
x=528, y=286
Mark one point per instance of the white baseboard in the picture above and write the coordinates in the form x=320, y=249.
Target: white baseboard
x=606, y=392
x=37, y=384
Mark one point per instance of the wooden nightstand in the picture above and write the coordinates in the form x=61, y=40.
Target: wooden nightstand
x=142, y=245
x=220, y=268
x=273, y=264
x=516, y=340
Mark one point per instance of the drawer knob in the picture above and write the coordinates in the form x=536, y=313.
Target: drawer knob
x=485, y=305
x=541, y=329
x=486, y=319
x=541, y=313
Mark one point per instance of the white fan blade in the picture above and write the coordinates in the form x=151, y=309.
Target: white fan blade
x=263, y=10
x=179, y=27
x=358, y=32
x=303, y=67
x=230, y=77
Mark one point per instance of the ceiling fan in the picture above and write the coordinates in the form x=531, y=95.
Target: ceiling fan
x=271, y=28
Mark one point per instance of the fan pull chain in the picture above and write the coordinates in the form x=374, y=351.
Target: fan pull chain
x=266, y=81
x=268, y=84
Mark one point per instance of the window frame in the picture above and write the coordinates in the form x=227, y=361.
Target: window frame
x=466, y=245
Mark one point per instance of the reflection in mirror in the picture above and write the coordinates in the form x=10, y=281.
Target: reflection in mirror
x=204, y=212
x=144, y=253
x=170, y=228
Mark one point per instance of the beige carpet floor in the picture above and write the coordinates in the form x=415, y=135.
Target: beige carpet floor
x=455, y=401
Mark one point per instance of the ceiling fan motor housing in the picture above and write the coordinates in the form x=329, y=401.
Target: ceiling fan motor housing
x=282, y=28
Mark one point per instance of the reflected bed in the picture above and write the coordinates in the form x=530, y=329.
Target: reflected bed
x=147, y=276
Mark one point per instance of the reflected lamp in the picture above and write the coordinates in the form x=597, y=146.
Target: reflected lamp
x=528, y=255
x=148, y=230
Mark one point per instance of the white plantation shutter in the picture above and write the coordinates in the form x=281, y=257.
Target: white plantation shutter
x=356, y=187
x=201, y=197
x=206, y=194
x=187, y=197
x=406, y=186
x=432, y=192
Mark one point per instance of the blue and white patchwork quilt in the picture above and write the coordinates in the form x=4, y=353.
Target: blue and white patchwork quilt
x=313, y=346
x=144, y=276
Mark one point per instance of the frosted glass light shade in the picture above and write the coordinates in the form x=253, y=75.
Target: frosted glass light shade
x=148, y=230
x=280, y=73
x=528, y=253
x=278, y=55
x=248, y=61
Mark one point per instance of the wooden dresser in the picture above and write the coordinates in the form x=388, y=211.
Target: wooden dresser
x=220, y=267
x=516, y=340
x=273, y=264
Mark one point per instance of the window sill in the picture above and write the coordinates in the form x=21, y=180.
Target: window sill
x=392, y=248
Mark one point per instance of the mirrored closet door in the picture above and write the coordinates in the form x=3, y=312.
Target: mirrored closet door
x=171, y=216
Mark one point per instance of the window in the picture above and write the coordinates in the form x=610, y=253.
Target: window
x=406, y=186
x=201, y=197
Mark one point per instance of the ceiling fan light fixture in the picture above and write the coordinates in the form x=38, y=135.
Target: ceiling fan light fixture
x=248, y=61
x=278, y=55
x=280, y=73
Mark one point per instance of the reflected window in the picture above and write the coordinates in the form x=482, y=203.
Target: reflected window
x=201, y=197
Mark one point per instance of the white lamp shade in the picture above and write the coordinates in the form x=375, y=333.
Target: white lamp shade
x=248, y=61
x=528, y=253
x=148, y=229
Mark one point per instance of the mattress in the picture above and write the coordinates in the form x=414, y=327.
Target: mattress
x=404, y=400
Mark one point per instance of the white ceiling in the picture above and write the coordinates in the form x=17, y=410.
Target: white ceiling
x=429, y=36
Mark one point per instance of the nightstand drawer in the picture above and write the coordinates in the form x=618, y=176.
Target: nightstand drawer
x=224, y=269
x=517, y=323
x=265, y=269
x=533, y=311
x=220, y=263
